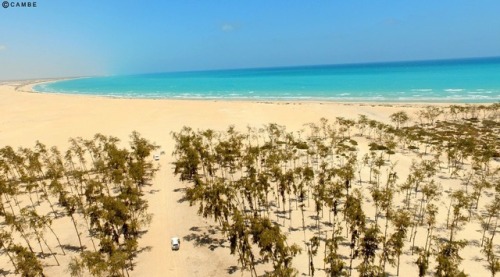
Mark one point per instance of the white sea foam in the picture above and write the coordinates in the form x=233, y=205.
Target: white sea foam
x=422, y=90
x=453, y=90
x=475, y=92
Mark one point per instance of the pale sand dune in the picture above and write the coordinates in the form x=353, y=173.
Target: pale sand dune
x=52, y=119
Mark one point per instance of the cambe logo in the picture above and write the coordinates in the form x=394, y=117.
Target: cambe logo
x=7, y=4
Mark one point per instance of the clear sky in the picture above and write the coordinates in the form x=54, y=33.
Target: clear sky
x=94, y=37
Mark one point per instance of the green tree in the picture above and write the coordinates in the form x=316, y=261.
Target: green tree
x=448, y=259
x=369, y=246
x=336, y=265
x=273, y=247
x=5, y=244
x=27, y=264
x=399, y=118
x=395, y=244
x=491, y=258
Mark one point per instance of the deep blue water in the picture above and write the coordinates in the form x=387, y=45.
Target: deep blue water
x=465, y=80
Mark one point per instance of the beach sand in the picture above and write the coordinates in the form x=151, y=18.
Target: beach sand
x=52, y=119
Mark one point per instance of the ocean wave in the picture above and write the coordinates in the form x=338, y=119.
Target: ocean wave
x=401, y=96
x=482, y=91
x=454, y=90
x=421, y=95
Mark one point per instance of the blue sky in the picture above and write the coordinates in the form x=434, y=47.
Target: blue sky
x=74, y=38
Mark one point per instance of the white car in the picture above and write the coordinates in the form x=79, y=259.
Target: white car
x=176, y=243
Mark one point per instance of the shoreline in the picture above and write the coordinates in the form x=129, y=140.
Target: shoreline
x=29, y=84
x=32, y=110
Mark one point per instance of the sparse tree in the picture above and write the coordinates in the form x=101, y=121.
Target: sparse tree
x=491, y=258
x=399, y=118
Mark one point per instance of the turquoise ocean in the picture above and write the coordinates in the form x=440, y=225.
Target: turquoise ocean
x=461, y=81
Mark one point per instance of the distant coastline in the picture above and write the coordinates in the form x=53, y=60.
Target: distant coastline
x=28, y=84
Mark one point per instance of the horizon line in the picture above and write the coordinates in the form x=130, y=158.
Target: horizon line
x=42, y=79
x=310, y=65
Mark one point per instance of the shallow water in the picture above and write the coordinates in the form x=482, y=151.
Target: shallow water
x=465, y=80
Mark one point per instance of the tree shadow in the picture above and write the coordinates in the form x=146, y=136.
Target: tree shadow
x=441, y=229
x=5, y=272
x=441, y=240
x=294, y=229
x=314, y=217
x=474, y=242
x=44, y=255
x=182, y=200
x=71, y=248
x=477, y=259
x=327, y=223
x=195, y=229
x=489, y=194
x=232, y=269
x=444, y=177
x=212, y=231
x=145, y=249
x=204, y=238
x=153, y=191
x=312, y=227
x=58, y=214
x=201, y=239
x=344, y=257
x=345, y=243
x=281, y=214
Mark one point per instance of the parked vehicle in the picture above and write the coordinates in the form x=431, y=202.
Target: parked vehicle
x=176, y=243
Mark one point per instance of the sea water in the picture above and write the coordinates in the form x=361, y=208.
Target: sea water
x=464, y=80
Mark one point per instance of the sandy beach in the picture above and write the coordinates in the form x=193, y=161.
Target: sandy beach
x=26, y=117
